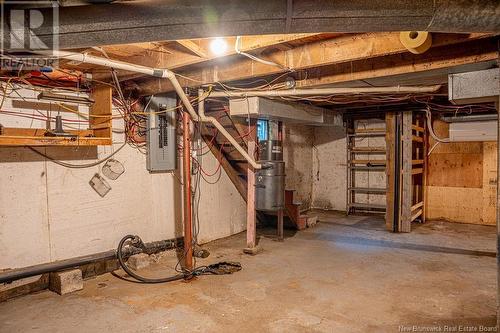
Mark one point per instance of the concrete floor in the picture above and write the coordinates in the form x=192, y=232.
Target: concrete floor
x=343, y=275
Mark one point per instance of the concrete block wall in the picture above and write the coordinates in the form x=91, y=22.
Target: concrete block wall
x=298, y=155
x=329, y=161
x=329, y=168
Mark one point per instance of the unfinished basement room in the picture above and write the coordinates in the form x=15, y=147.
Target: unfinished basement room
x=249, y=166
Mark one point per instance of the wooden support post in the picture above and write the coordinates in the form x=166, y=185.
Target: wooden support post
x=188, y=225
x=406, y=172
x=498, y=214
x=424, y=176
x=280, y=224
x=390, y=127
x=251, y=216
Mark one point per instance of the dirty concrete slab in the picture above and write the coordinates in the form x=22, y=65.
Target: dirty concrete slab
x=346, y=274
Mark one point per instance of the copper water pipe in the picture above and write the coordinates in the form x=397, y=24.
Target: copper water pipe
x=186, y=172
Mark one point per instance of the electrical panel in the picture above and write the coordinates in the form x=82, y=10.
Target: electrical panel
x=161, y=134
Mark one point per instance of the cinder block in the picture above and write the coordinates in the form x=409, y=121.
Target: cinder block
x=311, y=221
x=252, y=250
x=66, y=282
x=138, y=261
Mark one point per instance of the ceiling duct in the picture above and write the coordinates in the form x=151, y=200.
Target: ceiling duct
x=263, y=108
x=145, y=21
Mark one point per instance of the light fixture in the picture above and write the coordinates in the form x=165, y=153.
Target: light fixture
x=218, y=46
x=45, y=95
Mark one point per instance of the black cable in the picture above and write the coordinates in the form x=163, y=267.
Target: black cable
x=224, y=267
x=137, y=241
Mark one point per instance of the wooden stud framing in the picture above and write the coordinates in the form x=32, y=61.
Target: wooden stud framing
x=251, y=214
x=406, y=173
x=406, y=184
x=390, y=124
x=100, y=111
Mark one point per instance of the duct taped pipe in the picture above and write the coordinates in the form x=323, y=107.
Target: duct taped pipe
x=416, y=42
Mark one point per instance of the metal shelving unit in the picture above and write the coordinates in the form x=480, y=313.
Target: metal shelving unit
x=376, y=162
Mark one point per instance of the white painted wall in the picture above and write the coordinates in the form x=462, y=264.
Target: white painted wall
x=329, y=168
x=49, y=212
x=297, y=154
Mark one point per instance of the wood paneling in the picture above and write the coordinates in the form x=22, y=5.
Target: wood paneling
x=462, y=181
x=456, y=170
x=458, y=164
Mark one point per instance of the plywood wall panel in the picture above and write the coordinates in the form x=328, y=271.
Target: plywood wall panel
x=456, y=169
x=455, y=204
x=462, y=178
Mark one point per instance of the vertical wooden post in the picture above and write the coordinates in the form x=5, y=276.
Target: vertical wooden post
x=424, y=175
x=188, y=223
x=390, y=128
x=251, y=216
x=498, y=214
x=406, y=172
x=102, y=109
x=280, y=224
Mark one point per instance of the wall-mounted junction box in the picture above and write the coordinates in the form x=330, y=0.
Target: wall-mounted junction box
x=161, y=135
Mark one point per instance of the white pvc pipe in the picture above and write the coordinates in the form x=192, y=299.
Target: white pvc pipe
x=241, y=150
x=165, y=73
x=162, y=73
x=327, y=91
x=90, y=59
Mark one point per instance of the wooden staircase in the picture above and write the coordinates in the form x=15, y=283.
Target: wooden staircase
x=233, y=162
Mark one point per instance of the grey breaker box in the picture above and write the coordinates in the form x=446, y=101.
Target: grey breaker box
x=161, y=135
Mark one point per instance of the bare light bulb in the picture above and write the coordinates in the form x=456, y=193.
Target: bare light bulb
x=218, y=46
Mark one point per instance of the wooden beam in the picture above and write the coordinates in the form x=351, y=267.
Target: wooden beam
x=251, y=213
x=436, y=59
x=7, y=140
x=417, y=205
x=390, y=138
x=193, y=47
x=406, y=179
x=342, y=51
x=169, y=57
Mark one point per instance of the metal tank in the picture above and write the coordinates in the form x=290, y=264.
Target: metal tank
x=270, y=180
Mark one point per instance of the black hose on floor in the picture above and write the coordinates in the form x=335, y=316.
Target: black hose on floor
x=136, y=240
x=220, y=268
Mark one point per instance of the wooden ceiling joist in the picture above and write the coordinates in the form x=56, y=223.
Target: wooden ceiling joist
x=193, y=47
x=407, y=68
x=341, y=50
x=166, y=55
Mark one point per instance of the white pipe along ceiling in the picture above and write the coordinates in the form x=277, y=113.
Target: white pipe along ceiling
x=200, y=116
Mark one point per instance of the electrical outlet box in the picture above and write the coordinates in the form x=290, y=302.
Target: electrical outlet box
x=161, y=134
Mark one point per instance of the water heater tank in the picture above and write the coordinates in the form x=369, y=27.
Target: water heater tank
x=270, y=180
